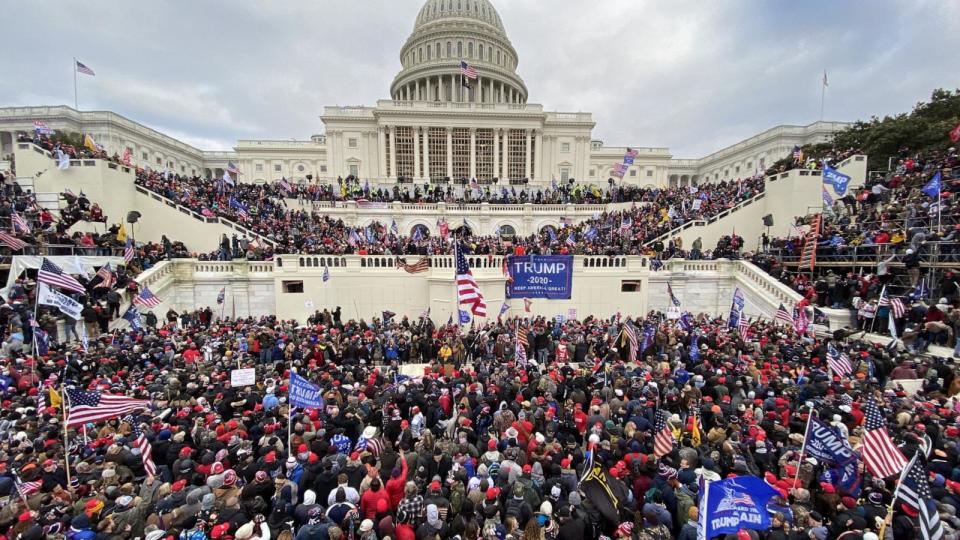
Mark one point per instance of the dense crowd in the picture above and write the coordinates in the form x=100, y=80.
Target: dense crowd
x=483, y=445
x=262, y=209
x=888, y=224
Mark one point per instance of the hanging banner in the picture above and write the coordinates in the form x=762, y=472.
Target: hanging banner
x=540, y=276
x=243, y=377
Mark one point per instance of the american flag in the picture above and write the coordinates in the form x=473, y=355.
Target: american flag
x=631, y=334
x=19, y=223
x=41, y=400
x=284, y=185
x=127, y=158
x=882, y=457
x=626, y=224
x=128, y=252
x=421, y=265
x=521, y=353
x=146, y=451
x=896, y=305
x=81, y=68
x=146, y=299
x=26, y=489
x=526, y=304
x=914, y=490
x=468, y=292
x=673, y=297
x=467, y=70
x=783, y=315
x=663, y=436
x=53, y=275
x=522, y=337
x=11, y=241
x=743, y=327
x=240, y=208
x=506, y=270
x=222, y=295
x=232, y=168
x=800, y=320
x=84, y=407
x=106, y=277
x=839, y=362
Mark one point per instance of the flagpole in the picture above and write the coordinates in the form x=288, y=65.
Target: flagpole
x=803, y=449
x=64, y=403
x=75, y=100
x=896, y=493
x=823, y=93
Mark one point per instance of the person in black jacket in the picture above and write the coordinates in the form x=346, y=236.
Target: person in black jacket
x=571, y=526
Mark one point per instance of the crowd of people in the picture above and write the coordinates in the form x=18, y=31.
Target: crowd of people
x=263, y=209
x=485, y=444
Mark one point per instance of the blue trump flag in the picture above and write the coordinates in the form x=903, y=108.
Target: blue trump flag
x=824, y=443
x=932, y=187
x=734, y=504
x=464, y=316
x=132, y=316
x=304, y=393
x=836, y=179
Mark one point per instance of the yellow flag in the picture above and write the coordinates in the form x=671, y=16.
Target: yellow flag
x=55, y=400
x=89, y=143
x=122, y=233
x=695, y=433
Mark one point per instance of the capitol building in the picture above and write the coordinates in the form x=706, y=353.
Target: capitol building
x=438, y=126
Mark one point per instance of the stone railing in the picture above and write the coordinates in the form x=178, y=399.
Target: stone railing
x=704, y=222
x=481, y=265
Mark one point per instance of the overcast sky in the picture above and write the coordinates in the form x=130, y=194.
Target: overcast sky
x=694, y=76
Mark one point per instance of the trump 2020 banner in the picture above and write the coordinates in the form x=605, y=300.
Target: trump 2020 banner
x=540, y=276
x=733, y=504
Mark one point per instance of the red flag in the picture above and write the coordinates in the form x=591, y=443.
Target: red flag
x=955, y=134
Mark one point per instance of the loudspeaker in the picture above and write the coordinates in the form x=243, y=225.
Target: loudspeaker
x=133, y=216
x=768, y=220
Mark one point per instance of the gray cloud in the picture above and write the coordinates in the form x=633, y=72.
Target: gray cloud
x=693, y=76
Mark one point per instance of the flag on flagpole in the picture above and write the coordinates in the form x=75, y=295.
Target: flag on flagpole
x=504, y=308
x=881, y=455
x=743, y=327
x=26, y=489
x=467, y=70
x=800, y=320
x=82, y=68
x=673, y=297
x=106, y=276
x=955, y=134
x=84, y=407
x=222, y=295
x=631, y=334
x=839, y=362
x=143, y=445
x=526, y=304
x=422, y=265
x=468, y=292
x=521, y=353
x=326, y=273
x=825, y=84
x=663, y=436
x=11, y=241
x=19, y=223
x=54, y=276
x=128, y=252
x=914, y=490
x=132, y=316
x=146, y=299
x=91, y=144
x=933, y=187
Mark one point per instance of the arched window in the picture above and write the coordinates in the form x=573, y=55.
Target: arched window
x=489, y=54
x=480, y=51
x=449, y=49
x=498, y=56
x=459, y=49
x=436, y=51
x=421, y=54
x=470, y=49
x=428, y=52
x=506, y=230
x=424, y=231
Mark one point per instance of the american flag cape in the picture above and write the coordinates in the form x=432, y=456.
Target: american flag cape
x=84, y=407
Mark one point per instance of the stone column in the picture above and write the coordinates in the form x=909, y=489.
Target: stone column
x=416, y=153
x=496, y=152
x=393, y=152
x=526, y=159
x=382, y=145
x=426, y=153
x=505, y=162
x=449, y=152
x=473, y=152
x=538, y=156
x=490, y=93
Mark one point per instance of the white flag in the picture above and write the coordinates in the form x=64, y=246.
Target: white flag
x=68, y=306
x=63, y=160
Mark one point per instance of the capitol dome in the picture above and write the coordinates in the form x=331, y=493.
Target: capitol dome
x=447, y=32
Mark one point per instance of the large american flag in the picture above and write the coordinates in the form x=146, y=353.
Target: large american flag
x=19, y=223
x=663, y=437
x=11, y=241
x=106, y=277
x=146, y=451
x=467, y=70
x=783, y=315
x=53, y=275
x=146, y=299
x=896, y=305
x=631, y=333
x=839, y=362
x=26, y=489
x=421, y=265
x=42, y=128
x=915, y=491
x=84, y=407
x=882, y=457
x=522, y=336
x=468, y=292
